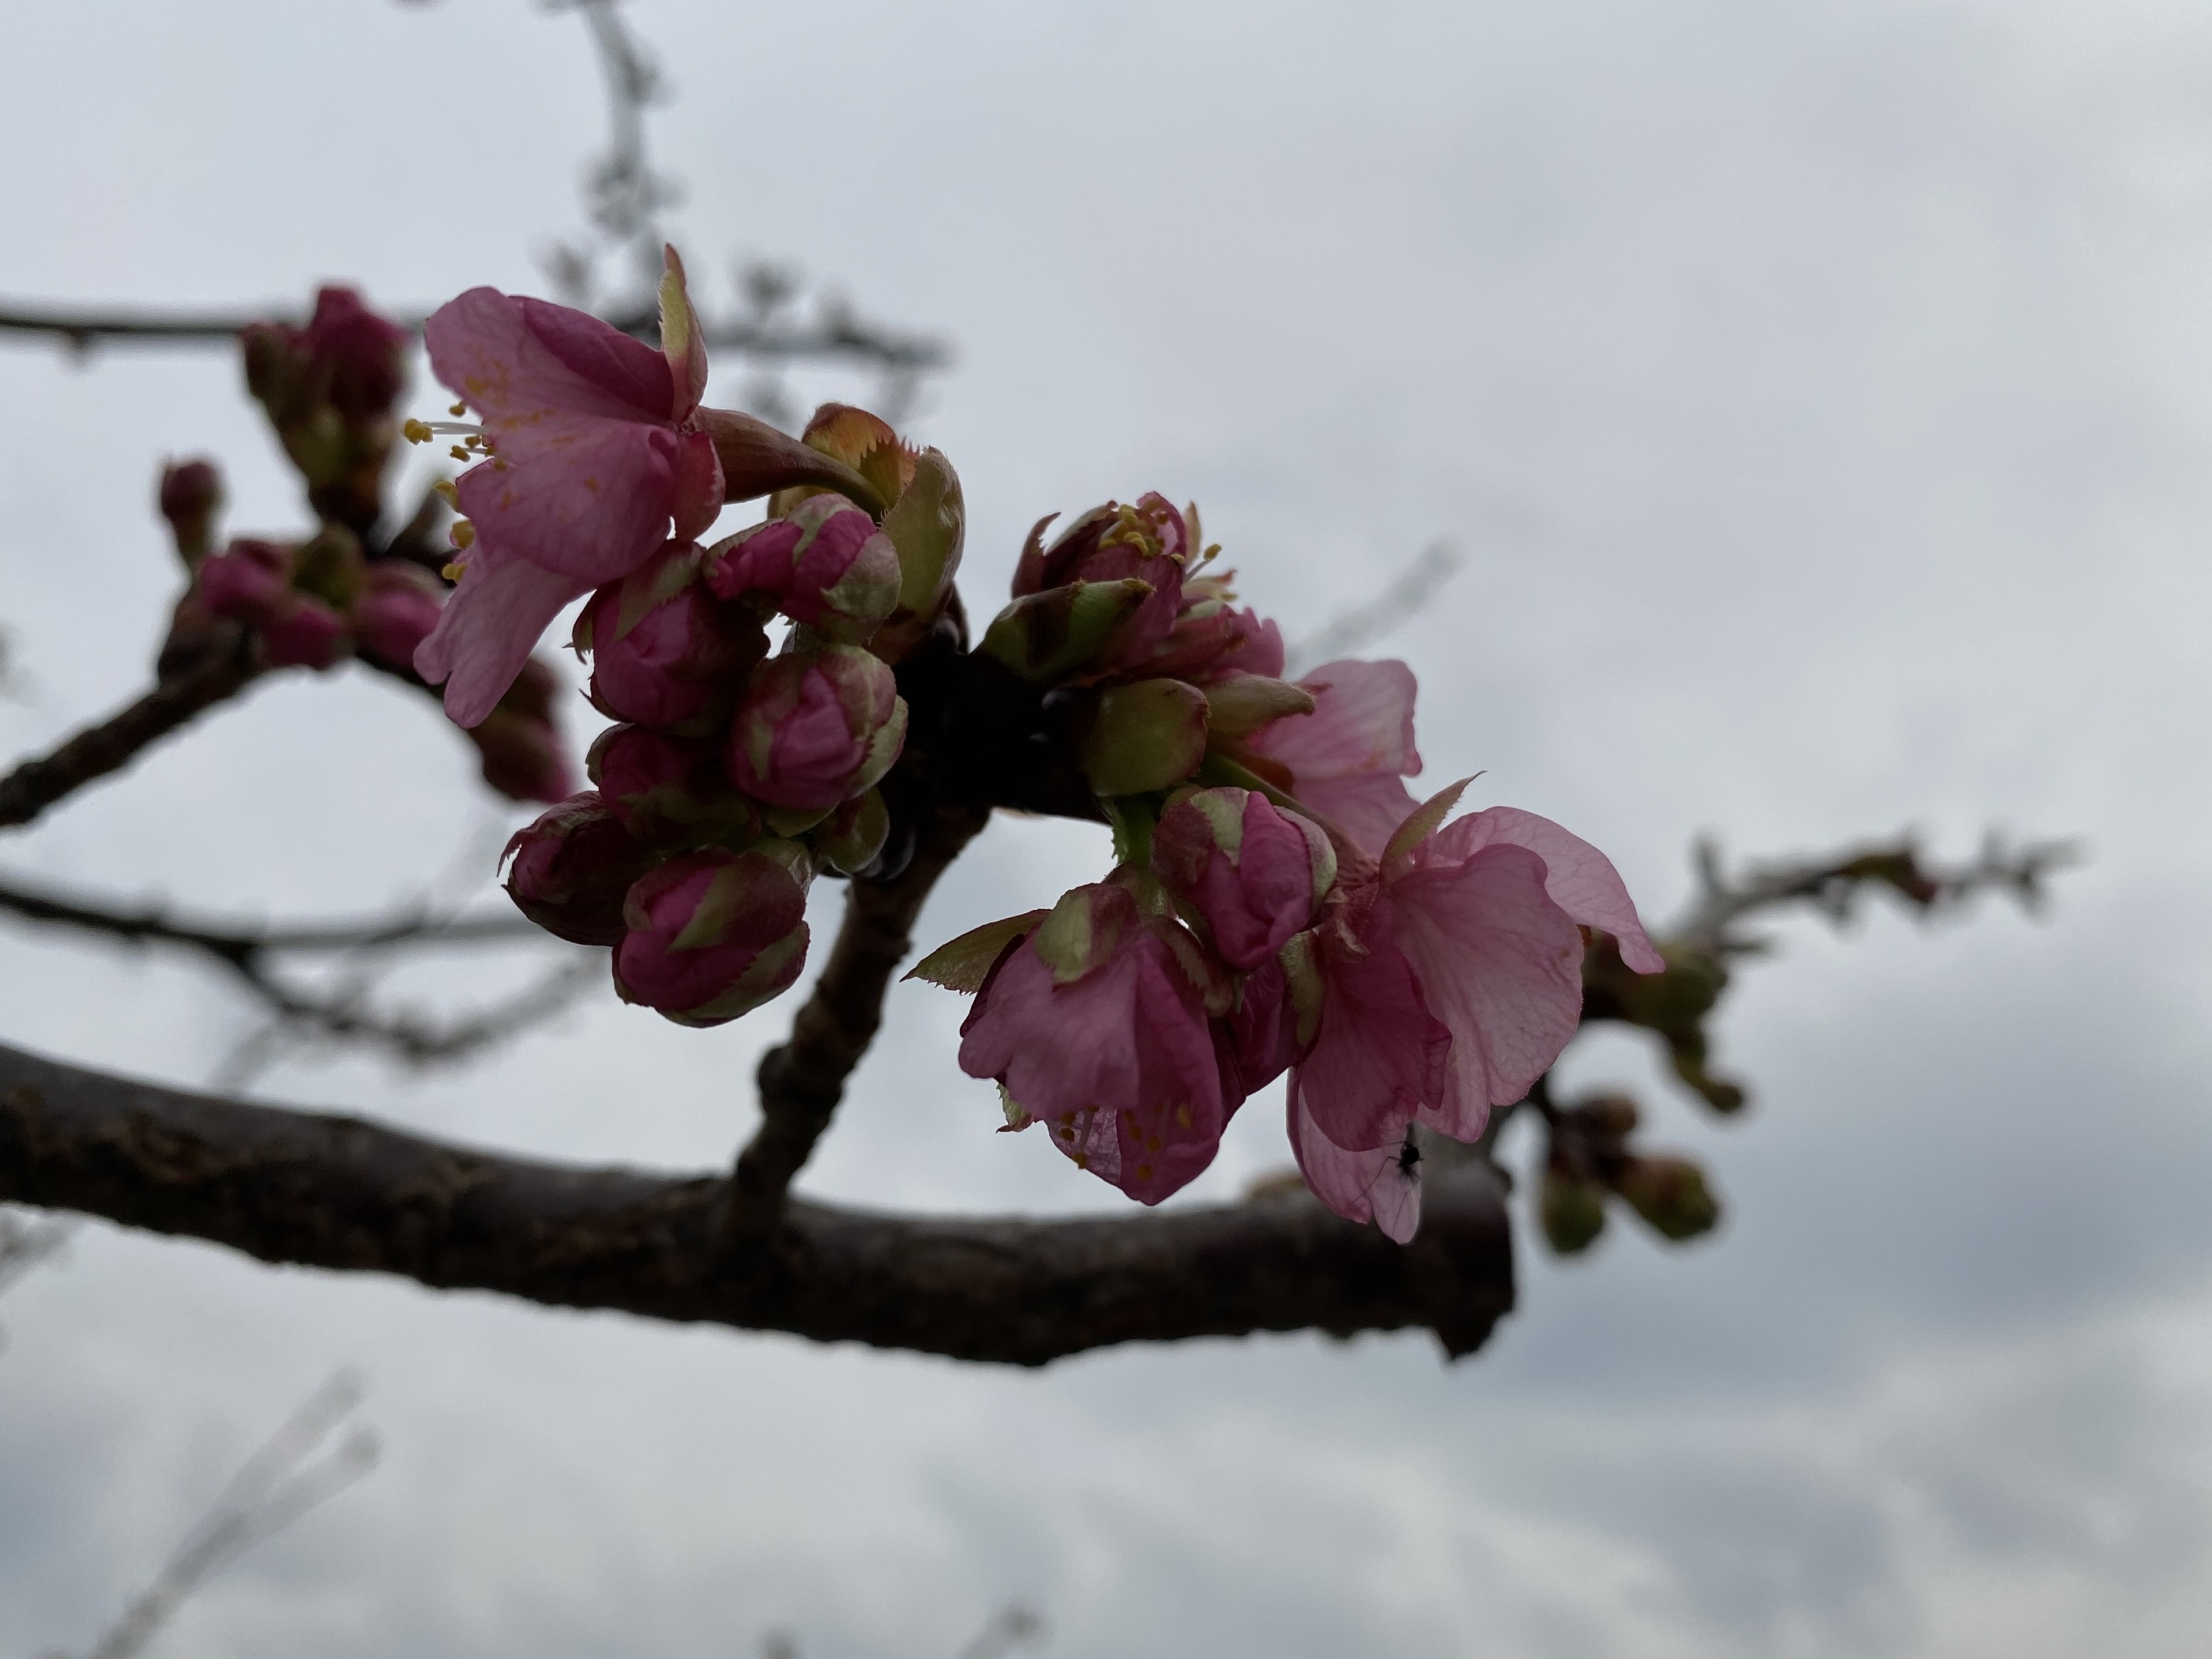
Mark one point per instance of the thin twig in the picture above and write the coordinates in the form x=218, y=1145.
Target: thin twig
x=108, y=747
x=802, y=1081
x=1833, y=884
x=1397, y=603
x=275, y=1488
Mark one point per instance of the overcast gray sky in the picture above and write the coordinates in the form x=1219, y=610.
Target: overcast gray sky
x=1821, y=393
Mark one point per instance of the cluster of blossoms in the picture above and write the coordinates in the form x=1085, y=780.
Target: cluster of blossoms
x=1281, y=904
x=733, y=776
x=329, y=389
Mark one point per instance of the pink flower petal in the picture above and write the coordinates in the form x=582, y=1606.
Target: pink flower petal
x=1500, y=965
x=517, y=361
x=1580, y=879
x=1346, y=757
x=697, y=481
x=1379, y=1053
x=1377, y=1184
x=597, y=510
x=488, y=630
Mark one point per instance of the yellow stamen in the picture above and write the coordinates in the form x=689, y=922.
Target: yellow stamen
x=459, y=453
x=458, y=408
x=445, y=492
x=465, y=534
x=416, y=432
x=452, y=573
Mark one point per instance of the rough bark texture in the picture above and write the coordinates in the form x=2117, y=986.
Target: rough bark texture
x=344, y=1194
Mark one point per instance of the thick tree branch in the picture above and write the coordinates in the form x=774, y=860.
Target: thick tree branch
x=344, y=1194
x=802, y=1081
x=112, y=744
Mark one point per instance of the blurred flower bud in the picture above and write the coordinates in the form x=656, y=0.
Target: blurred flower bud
x=328, y=390
x=249, y=581
x=1572, y=1209
x=849, y=839
x=1609, y=1118
x=1147, y=735
x=1065, y=632
x=665, y=652
x=398, y=606
x=570, y=870
x=1670, y=1194
x=307, y=634
x=1254, y=874
x=826, y=566
x=1211, y=639
x=191, y=495
x=814, y=729
x=519, y=743
x=714, y=934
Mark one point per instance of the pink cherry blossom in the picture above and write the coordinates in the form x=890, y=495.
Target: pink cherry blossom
x=1253, y=874
x=1149, y=541
x=1096, y=1024
x=1346, y=758
x=570, y=871
x=597, y=449
x=1450, y=978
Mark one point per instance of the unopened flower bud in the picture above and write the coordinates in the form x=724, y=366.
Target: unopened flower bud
x=1257, y=876
x=714, y=934
x=1572, y=1210
x=814, y=729
x=826, y=566
x=571, y=870
x=520, y=743
x=1147, y=735
x=665, y=652
x=328, y=389
x=849, y=839
x=398, y=605
x=1671, y=1194
x=190, y=496
x=307, y=634
x=670, y=790
x=1065, y=632
x=249, y=581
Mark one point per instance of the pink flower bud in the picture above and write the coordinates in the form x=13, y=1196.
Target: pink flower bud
x=714, y=935
x=815, y=729
x=570, y=871
x=191, y=495
x=363, y=355
x=519, y=743
x=665, y=651
x=308, y=634
x=1256, y=875
x=398, y=606
x=668, y=789
x=826, y=566
x=250, y=581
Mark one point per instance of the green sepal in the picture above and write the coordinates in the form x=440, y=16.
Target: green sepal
x=962, y=964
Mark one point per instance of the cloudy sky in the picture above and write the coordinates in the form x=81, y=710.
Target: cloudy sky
x=1822, y=395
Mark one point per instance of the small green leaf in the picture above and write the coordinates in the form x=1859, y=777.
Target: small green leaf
x=962, y=964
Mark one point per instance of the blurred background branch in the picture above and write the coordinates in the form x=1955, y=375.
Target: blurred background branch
x=271, y=1490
